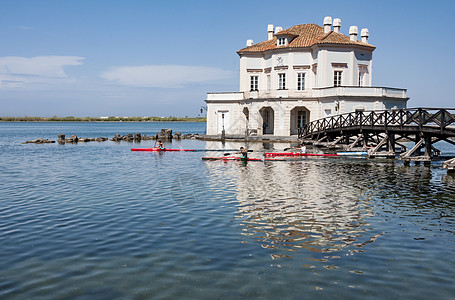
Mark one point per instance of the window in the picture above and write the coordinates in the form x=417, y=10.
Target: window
x=254, y=83
x=269, y=83
x=337, y=78
x=281, y=41
x=363, y=71
x=300, y=81
x=281, y=81
x=315, y=72
x=361, y=78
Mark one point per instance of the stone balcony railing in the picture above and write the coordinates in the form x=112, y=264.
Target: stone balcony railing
x=315, y=92
x=225, y=96
x=359, y=91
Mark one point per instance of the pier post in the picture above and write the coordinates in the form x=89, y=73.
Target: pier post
x=427, y=146
x=449, y=165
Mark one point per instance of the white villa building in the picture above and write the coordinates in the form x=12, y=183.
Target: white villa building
x=298, y=75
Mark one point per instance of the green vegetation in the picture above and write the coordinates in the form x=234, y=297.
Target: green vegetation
x=102, y=119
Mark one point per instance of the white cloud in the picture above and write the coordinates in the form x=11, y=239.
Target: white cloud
x=19, y=71
x=168, y=76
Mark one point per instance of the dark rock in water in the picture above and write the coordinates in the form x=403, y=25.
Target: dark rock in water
x=72, y=139
x=177, y=135
x=146, y=137
x=61, y=138
x=137, y=137
x=128, y=137
x=76, y=139
x=187, y=136
x=39, y=141
x=90, y=139
x=117, y=138
x=165, y=134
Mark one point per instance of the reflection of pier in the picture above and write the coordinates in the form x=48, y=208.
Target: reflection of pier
x=381, y=131
x=329, y=207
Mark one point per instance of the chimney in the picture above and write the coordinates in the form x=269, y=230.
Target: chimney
x=364, y=34
x=337, y=25
x=327, y=24
x=353, y=32
x=249, y=43
x=270, y=31
x=278, y=29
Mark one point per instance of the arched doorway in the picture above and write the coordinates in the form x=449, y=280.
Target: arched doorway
x=268, y=120
x=300, y=116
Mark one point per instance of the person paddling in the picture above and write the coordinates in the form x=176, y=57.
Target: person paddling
x=302, y=148
x=244, y=153
x=160, y=145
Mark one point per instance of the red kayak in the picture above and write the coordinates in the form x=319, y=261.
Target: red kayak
x=159, y=150
x=225, y=158
x=274, y=154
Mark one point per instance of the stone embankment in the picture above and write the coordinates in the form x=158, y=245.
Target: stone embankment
x=164, y=134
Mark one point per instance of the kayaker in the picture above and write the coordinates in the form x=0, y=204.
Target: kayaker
x=244, y=153
x=160, y=145
x=302, y=148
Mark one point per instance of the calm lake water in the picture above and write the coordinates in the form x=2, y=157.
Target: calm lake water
x=97, y=221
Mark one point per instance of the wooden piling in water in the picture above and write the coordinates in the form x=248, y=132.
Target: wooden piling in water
x=449, y=165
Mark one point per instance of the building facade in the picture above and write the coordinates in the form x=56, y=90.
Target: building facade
x=298, y=75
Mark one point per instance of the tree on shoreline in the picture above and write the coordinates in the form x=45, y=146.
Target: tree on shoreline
x=103, y=119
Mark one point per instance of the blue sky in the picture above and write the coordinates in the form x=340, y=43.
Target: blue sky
x=160, y=58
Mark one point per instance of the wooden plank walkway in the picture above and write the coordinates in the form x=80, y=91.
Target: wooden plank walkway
x=382, y=132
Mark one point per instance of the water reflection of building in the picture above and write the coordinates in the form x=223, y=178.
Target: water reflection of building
x=258, y=147
x=308, y=204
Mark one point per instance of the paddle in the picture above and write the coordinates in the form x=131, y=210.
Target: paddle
x=229, y=153
x=218, y=150
x=286, y=149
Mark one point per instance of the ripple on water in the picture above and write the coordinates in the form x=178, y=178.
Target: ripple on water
x=100, y=221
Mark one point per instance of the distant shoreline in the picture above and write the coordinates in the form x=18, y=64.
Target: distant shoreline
x=107, y=119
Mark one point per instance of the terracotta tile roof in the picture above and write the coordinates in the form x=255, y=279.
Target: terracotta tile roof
x=286, y=32
x=306, y=35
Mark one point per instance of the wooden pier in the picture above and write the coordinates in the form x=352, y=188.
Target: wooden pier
x=382, y=133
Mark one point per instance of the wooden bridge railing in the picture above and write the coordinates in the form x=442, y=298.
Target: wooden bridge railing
x=420, y=118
